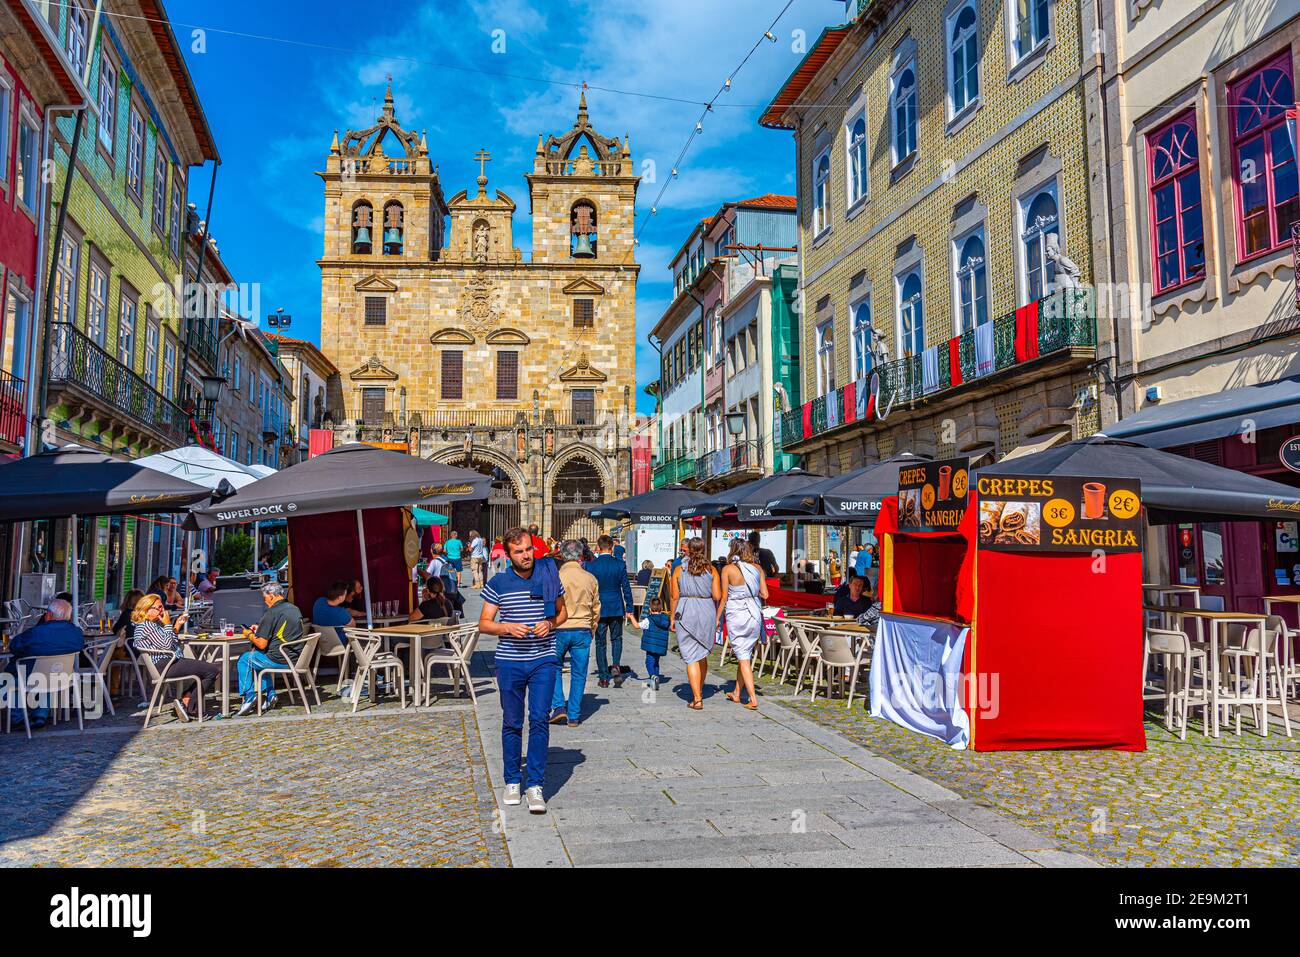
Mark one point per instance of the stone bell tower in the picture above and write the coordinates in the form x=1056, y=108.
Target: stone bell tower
x=583, y=196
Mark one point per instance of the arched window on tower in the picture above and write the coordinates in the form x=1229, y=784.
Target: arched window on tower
x=393, y=229
x=582, y=239
x=362, y=224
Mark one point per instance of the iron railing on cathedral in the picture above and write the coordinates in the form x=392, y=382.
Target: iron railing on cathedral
x=464, y=419
x=81, y=367
x=1065, y=321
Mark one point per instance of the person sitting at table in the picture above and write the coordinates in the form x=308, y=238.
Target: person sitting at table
x=124, y=627
x=281, y=622
x=207, y=584
x=434, y=602
x=155, y=636
x=871, y=617
x=355, y=603
x=328, y=611
x=855, y=599
x=55, y=634
x=645, y=573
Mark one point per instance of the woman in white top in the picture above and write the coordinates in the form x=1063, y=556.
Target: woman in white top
x=745, y=591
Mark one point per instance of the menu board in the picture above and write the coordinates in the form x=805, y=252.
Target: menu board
x=655, y=587
x=932, y=495
x=1059, y=513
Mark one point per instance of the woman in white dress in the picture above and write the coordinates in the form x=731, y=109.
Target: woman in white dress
x=745, y=591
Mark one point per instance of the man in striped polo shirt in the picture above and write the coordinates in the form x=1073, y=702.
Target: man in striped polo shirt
x=523, y=606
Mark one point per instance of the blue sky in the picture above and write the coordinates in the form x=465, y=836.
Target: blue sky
x=277, y=79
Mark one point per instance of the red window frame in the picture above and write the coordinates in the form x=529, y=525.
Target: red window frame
x=1241, y=139
x=1176, y=177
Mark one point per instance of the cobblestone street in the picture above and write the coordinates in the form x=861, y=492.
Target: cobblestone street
x=380, y=788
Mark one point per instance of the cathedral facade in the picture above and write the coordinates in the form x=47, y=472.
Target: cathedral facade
x=452, y=345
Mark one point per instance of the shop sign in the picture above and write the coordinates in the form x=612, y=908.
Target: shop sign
x=1059, y=513
x=932, y=495
x=1290, y=453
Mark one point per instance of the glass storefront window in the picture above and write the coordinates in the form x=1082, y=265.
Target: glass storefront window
x=1212, y=553
x=1187, y=556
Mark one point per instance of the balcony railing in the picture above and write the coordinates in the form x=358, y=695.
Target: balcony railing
x=464, y=419
x=1066, y=320
x=13, y=409
x=79, y=365
x=741, y=457
x=675, y=470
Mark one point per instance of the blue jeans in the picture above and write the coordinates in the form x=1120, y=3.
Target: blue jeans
x=614, y=626
x=576, y=642
x=651, y=664
x=536, y=681
x=247, y=661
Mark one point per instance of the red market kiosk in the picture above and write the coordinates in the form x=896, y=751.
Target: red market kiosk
x=1048, y=626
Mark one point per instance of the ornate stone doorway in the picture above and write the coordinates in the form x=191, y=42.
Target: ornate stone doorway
x=577, y=488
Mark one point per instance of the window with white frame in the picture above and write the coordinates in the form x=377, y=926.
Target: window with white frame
x=97, y=303
x=902, y=112
x=169, y=366
x=1039, y=218
x=78, y=36
x=29, y=160
x=6, y=121
x=963, y=59
x=861, y=358
x=970, y=279
x=1030, y=26
x=826, y=357
x=107, y=102
x=159, y=212
x=135, y=154
x=174, y=234
x=822, y=192
x=911, y=314
x=65, y=285
x=151, y=353
x=855, y=148
x=18, y=326
x=128, y=308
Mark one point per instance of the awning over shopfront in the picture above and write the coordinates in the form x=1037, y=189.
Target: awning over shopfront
x=851, y=498
x=78, y=481
x=1174, y=488
x=423, y=517
x=350, y=477
x=658, y=506
x=1209, y=417
x=748, y=502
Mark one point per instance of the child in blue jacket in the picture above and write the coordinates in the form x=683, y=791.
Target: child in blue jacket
x=654, y=640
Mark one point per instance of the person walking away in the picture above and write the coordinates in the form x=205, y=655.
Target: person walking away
x=620, y=552
x=540, y=547
x=523, y=609
x=695, y=597
x=453, y=549
x=477, y=556
x=654, y=640
x=281, y=622
x=497, y=560
x=582, y=601
x=615, y=607
x=742, y=606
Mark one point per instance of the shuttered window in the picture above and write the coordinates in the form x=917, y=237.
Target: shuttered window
x=584, y=313
x=376, y=310
x=453, y=374
x=584, y=406
x=507, y=375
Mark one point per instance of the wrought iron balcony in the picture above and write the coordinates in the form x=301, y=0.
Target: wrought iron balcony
x=13, y=410
x=675, y=470
x=737, y=458
x=1065, y=321
x=79, y=367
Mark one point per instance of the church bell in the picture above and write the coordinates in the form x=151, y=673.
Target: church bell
x=582, y=246
x=392, y=240
x=363, y=236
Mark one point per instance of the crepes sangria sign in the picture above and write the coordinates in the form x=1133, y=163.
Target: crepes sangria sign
x=1059, y=513
x=932, y=495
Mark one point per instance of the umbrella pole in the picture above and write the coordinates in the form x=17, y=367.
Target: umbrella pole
x=76, y=560
x=257, y=548
x=189, y=587
x=365, y=570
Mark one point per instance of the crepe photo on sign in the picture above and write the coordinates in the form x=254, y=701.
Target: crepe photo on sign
x=990, y=515
x=1020, y=523
x=910, y=508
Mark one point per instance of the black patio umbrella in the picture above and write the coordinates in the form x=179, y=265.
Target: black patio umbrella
x=849, y=498
x=348, y=478
x=77, y=481
x=749, y=501
x=658, y=505
x=1174, y=488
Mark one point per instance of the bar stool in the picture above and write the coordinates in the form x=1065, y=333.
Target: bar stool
x=1181, y=659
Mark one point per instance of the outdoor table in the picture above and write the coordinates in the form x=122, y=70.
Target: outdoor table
x=1217, y=620
x=197, y=644
x=416, y=632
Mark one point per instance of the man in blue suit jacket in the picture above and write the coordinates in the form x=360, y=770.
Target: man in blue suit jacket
x=615, y=605
x=54, y=635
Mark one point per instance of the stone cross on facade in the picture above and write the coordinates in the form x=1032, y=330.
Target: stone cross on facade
x=483, y=157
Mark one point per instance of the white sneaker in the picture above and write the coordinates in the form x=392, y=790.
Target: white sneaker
x=536, y=803
x=512, y=794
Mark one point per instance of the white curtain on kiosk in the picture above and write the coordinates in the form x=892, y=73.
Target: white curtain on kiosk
x=916, y=677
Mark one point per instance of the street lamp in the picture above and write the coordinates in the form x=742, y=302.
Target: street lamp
x=735, y=423
x=212, y=385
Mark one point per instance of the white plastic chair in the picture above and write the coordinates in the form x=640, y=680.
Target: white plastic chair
x=785, y=649
x=1251, y=671
x=1183, y=661
x=59, y=674
x=837, y=656
x=366, y=647
x=298, y=667
x=332, y=647
x=159, y=678
x=99, y=655
x=456, y=656
x=809, y=636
